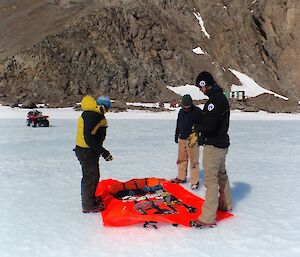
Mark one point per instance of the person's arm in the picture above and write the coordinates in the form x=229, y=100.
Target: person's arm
x=106, y=154
x=90, y=122
x=209, y=120
x=177, y=128
x=101, y=131
x=176, y=132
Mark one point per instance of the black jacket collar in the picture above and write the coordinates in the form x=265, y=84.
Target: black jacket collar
x=215, y=88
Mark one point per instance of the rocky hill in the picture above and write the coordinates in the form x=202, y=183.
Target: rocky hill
x=56, y=51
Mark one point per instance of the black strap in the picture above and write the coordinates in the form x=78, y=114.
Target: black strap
x=136, y=185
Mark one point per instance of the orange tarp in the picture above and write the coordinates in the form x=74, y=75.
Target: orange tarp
x=151, y=199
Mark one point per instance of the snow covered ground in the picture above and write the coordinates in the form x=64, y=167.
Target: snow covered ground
x=250, y=87
x=40, y=188
x=247, y=84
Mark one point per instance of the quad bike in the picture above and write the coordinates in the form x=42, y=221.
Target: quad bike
x=36, y=118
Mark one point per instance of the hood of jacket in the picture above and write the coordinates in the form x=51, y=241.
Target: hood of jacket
x=88, y=103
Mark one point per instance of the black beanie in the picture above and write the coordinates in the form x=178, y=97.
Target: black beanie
x=186, y=100
x=204, y=79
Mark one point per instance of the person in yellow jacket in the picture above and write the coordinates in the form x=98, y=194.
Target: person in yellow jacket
x=91, y=132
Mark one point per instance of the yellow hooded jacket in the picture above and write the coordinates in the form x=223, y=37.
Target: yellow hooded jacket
x=91, y=125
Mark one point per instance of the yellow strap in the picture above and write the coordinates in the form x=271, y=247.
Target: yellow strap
x=102, y=123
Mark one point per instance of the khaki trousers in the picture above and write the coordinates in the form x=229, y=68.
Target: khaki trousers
x=188, y=155
x=218, y=193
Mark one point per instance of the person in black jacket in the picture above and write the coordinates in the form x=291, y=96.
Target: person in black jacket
x=188, y=152
x=91, y=132
x=213, y=131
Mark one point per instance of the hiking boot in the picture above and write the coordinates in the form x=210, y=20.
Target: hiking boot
x=224, y=209
x=98, y=208
x=195, y=186
x=177, y=181
x=201, y=225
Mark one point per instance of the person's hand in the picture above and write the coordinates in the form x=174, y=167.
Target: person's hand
x=176, y=139
x=193, y=139
x=107, y=156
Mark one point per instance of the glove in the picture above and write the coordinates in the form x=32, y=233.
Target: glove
x=176, y=139
x=107, y=156
x=193, y=139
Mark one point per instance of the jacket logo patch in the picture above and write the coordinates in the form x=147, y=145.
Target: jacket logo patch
x=202, y=83
x=210, y=107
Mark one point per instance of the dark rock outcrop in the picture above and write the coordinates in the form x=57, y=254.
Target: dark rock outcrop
x=130, y=50
x=265, y=102
x=29, y=105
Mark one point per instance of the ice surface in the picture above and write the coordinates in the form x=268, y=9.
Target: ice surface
x=40, y=189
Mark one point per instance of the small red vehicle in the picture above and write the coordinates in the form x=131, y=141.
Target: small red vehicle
x=36, y=118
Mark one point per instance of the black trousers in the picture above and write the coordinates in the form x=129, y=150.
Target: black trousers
x=90, y=176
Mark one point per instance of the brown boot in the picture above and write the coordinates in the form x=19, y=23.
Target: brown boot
x=98, y=208
x=201, y=225
x=177, y=181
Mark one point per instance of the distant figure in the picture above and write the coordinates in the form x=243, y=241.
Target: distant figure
x=213, y=129
x=173, y=103
x=188, y=152
x=37, y=113
x=36, y=118
x=91, y=132
x=161, y=105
